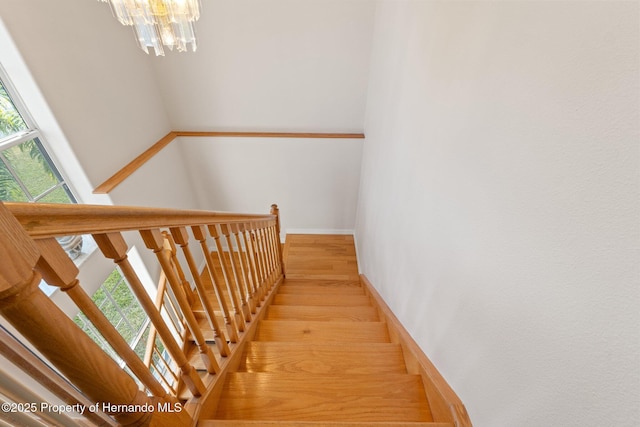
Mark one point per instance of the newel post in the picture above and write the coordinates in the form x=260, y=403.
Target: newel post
x=54, y=334
x=275, y=211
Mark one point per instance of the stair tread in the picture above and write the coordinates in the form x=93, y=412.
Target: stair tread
x=307, y=397
x=295, y=330
x=321, y=283
x=304, y=274
x=322, y=313
x=205, y=327
x=351, y=358
x=319, y=299
x=320, y=356
x=315, y=289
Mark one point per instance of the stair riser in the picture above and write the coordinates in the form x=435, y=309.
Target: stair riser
x=372, y=359
x=302, y=331
x=320, y=398
x=320, y=313
x=325, y=300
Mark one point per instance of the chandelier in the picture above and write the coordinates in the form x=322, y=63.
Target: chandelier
x=159, y=22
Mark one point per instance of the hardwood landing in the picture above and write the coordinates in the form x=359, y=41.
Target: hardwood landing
x=328, y=257
x=323, y=354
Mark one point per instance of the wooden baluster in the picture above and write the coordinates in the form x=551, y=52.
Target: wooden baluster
x=182, y=239
x=200, y=234
x=25, y=359
x=263, y=254
x=255, y=251
x=275, y=243
x=251, y=262
x=269, y=251
x=262, y=257
x=171, y=313
x=114, y=247
x=237, y=276
x=58, y=270
x=272, y=250
x=56, y=336
x=186, y=286
x=154, y=240
x=151, y=338
x=250, y=296
x=167, y=368
x=235, y=301
x=244, y=265
x=277, y=250
x=276, y=211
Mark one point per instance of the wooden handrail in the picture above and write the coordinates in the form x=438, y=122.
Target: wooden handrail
x=134, y=165
x=117, y=178
x=56, y=336
x=42, y=220
x=246, y=248
x=312, y=135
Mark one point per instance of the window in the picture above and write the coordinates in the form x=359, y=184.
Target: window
x=27, y=173
x=120, y=306
x=116, y=301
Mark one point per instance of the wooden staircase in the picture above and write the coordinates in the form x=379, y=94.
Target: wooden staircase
x=236, y=344
x=323, y=354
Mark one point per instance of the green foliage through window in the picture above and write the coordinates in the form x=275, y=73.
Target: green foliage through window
x=122, y=309
x=27, y=173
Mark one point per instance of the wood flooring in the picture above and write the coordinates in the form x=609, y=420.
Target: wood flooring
x=322, y=356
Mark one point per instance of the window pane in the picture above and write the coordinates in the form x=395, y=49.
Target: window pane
x=10, y=120
x=32, y=167
x=112, y=281
x=59, y=195
x=10, y=191
x=122, y=309
x=141, y=347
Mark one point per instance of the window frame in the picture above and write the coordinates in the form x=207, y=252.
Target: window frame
x=32, y=132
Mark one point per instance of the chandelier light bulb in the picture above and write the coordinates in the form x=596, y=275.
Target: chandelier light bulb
x=158, y=23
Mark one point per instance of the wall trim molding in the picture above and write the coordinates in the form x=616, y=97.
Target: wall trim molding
x=341, y=231
x=135, y=164
x=316, y=135
x=117, y=178
x=446, y=406
x=355, y=244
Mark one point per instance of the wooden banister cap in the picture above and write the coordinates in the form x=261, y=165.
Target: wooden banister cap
x=18, y=252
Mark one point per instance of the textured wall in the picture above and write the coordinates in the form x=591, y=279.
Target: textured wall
x=283, y=65
x=313, y=181
x=498, y=211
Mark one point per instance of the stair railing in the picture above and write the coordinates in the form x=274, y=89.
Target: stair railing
x=241, y=271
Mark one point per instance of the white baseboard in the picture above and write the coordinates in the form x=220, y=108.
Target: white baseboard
x=202, y=265
x=355, y=242
x=320, y=231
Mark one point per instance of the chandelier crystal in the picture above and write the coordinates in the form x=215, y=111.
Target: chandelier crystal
x=159, y=22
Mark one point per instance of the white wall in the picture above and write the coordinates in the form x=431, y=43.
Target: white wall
x=498, y=212
x=282, y=65
x=163, y=182
x=313, y=181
